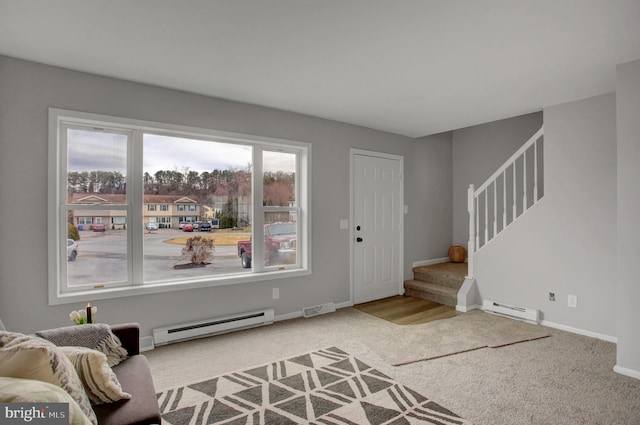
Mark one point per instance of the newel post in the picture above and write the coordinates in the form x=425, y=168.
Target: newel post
x=471, y=208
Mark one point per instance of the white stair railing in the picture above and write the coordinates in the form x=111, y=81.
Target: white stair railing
x=510, y=192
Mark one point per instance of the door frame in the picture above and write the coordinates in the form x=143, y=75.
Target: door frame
x=352, y=155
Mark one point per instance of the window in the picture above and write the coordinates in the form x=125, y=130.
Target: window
x=115, y=170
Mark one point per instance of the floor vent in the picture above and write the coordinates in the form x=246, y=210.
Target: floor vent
x=218, y=325
x=512, y=311
x=318, y=309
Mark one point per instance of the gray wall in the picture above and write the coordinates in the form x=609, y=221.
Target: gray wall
x=566, y=244
x=28, y=89
x=478, y=151
x=628, y=110
x=431, y=198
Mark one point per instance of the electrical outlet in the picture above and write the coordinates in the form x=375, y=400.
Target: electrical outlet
x=276, y=293
x=552, y=296
x=572, y=301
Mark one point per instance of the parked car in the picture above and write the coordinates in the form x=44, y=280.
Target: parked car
x=196, y=225
x=72, y=249
x=181, y=225
x=99, y=227
x=152, y=225
x=187, y=227
x=280, y=240
x=204, y=226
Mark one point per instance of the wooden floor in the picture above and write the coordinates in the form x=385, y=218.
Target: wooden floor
x=404, y=310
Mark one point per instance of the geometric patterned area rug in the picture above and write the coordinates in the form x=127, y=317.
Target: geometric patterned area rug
x=327, y=386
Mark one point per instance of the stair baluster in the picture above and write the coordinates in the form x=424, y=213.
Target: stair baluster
x=519, y=184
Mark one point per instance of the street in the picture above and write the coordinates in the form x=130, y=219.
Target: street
x=102, y=258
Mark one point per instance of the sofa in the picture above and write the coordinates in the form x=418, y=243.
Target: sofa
x=135, y=377
x=96, y=369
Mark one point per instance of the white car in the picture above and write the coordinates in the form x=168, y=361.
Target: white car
x=152, y=225
x=72, y=250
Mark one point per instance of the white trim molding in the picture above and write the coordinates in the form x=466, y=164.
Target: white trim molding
x=626, y=372
x=464, y=309
x=578, y=331
x=298, y=313
x=430, y=262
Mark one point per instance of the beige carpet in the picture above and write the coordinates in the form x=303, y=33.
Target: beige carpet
x=466, y=332
x=565, y=379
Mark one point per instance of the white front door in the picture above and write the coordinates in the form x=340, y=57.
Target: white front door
x=377, y=218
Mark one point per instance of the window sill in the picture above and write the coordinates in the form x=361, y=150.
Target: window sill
x=156, y=288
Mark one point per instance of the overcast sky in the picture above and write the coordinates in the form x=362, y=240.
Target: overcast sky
x=172, y=153
x=90, y=151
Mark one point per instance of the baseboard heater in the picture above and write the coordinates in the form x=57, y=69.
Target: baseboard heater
x=214, y=326
x=511, y=311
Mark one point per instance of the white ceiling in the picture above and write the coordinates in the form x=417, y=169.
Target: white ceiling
x=412, y=67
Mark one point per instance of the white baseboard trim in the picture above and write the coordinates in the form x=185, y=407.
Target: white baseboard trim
x=430, y=262
x=344, y=304
x=297, y=314
x=578, y=331
x=287, y=316
x=464, y=309
x=626, y=372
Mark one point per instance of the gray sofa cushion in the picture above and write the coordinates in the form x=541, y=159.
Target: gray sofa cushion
x=134, y=375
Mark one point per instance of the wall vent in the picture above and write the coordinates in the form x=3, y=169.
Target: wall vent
x=318, y=309
x=146, y=343
x=214, y=326
x=512, y=311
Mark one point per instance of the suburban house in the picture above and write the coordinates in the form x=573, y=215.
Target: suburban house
x=169, y=211
x=580, y=240
x=165, y=210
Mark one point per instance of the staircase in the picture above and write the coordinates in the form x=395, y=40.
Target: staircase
x=499, y=202
x=439, y=283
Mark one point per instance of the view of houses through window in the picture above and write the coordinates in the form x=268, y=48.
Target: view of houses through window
x=194, y=208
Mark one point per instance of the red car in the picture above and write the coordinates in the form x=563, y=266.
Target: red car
x=188, y=227
x=99, y=227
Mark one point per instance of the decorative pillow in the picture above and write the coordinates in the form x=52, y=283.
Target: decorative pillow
x=18, y=390
x=96, y=336
x=30, y=357
x=99, y=381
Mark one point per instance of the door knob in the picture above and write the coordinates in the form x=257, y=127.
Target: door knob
x=358, y=239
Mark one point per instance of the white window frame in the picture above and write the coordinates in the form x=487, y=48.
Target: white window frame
x=59, y=293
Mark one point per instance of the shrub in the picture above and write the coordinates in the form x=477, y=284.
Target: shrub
x=72, y=232
x=198, y=250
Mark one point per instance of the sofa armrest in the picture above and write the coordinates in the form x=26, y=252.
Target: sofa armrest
x=129, y=335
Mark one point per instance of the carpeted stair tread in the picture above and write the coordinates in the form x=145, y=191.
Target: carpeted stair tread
x=431, y=291
x=446, y=274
